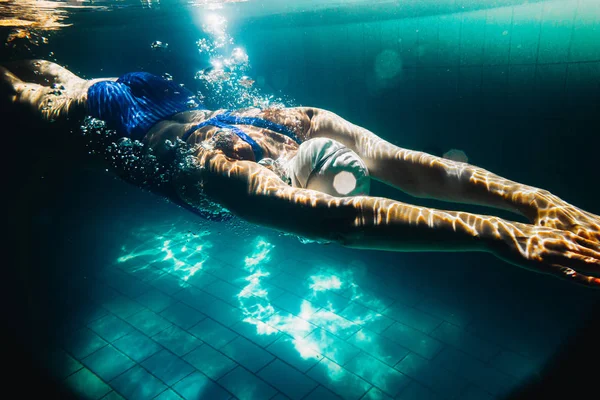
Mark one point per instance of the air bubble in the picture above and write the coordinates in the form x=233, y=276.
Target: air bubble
x=158, y=45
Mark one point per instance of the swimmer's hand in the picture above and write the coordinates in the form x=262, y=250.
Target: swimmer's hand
x=552, y=251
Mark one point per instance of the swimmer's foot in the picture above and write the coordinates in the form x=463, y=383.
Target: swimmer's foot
x=552, y=212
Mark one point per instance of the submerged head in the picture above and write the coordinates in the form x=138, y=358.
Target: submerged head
x=343, y=174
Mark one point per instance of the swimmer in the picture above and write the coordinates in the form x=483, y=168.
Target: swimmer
x=307, y=171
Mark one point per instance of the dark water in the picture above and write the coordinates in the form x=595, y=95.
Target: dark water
x=516, y=87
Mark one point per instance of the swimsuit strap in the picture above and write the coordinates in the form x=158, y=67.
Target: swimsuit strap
x=227, y=118
x=258, y=151
x=214, y=121
x=226, y=121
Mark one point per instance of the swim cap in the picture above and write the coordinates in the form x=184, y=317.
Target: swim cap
x=328, y=166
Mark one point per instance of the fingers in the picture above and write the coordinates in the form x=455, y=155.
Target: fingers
x=574, y=276
x=590, y=243
x=575, y=244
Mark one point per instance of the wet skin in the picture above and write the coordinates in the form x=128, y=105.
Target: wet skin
x=560, y=240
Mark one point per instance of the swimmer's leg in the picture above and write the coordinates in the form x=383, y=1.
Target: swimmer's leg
x=49, y=90
x=423, y=175
x=258, y=195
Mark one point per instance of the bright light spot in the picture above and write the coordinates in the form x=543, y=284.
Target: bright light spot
x=305, y=348
x=239, y=56
x=169, y=255
x=214, y=24
x=262, y=328
x=388, y=64
x=184, y=249
x=192, y=271
x=324, y=282
x=218, y=64
x=344, y=182
x=260, y=255
x=125, y=258
x=306, y=310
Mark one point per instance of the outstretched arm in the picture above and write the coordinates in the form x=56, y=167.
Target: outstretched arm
x=257, y=195
x=427, y=176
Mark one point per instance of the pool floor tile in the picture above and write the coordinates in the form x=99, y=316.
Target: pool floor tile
x=256, y=331
x=167, y=367
x=322, y=393
x=195, y=298
x=335, y=324
x=375, y=394
x=431, y=375
x=474, y=393
x=177, y=340
x=155, y=300
x=108, y=362
x=224, y=291
x=447, y=312
x=110, y=327
x=137, y=383
x=182, y=315
x=412, y=317
x=339, y=380
x=87, y=385
x=198, y=387
x=147, y=274
x=331, y=346
x=213, y=333
x=83, y=342
x=475, y=371
x=234, y=276
x=247, y=354
x=294, y=304
x=62, y=364
x=416, y=391
x=378, y=374
x=148, y=322
x=223, y=313
x=328, y=300
x=137, y=346
x=465, y=341
x=168, y=284
x=378, y=346
x=113, y=396
x=376, y=302
x=200, y=279
x=210, y=362
x=295, y=352
x=414, y=340
x=513, y=364
x=168, y=395
x=290, y=324
x=122, y=306
x=288, y=380
x=366, y=317
x=246, y=386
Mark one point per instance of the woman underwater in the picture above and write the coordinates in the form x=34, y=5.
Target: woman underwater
x=306, y=171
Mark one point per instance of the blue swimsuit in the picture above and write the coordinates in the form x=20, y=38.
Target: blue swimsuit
x=138, y=100
x=226, y=121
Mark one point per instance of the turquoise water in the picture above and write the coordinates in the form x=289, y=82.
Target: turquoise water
x=120, y=294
